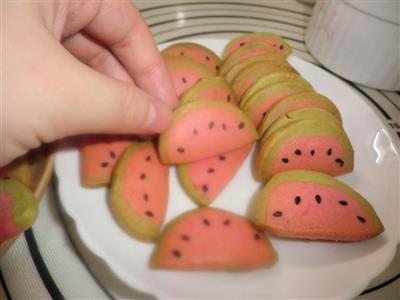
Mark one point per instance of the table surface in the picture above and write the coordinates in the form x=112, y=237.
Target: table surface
x=47, y=263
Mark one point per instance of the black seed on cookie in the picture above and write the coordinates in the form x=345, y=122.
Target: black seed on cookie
x=343, y=202
x=112, y=154
x=285, y=160
x=227, y=222
x=361, y=219
x=149, y=213
x=211, y=170
x=241, y=125
x=184, y=80
x=148, y=158
x=318, y=199
x=180, y=149
x=204, y=188
x=297, y=200
x=211, y=125
x=104, y=164
x=277, y=214
x=185, y=237
x=297, y=152
x=221, y=157
x=206, y=222
x=143, y=176
x=257, y=236
x=312, y=152
x=339, y=161
x=329, y=152
x=176, y=253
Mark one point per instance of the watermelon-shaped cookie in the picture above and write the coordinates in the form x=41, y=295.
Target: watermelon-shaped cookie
x=139, y=191
x=18, y=209
x=246, y=52
x=214, y=88
x=98, y=158
x=258, y=105
x=250, y=38
x=248, y=76
x=197, y=52
x=298, y=101
x=296, y=116
x=185, y=72
x=311, y=205
x=203, y=180
x=212, y=239
x=309, y=144
x=202, y=129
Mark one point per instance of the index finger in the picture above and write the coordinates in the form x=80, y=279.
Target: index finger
x=123, y=30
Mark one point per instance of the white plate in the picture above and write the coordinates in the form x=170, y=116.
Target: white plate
x=305, y=269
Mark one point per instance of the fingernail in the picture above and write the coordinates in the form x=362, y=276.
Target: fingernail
x=158, y=117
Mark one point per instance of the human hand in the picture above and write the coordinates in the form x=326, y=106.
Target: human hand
x=76, y=67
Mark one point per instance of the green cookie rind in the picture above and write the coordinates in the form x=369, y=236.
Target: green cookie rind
x=269, y=148
x=194, y=91
x=188, y=63
x=288, y=49
x=235, y=57
x=276, y=111
x=194, y=105
x=258, y=70
x=25, y=205
x=266, y=81
x=188, y=187
x=236, y=69
x=295, y=85
x=311, y=177
x=296, y=116
x=137, y=226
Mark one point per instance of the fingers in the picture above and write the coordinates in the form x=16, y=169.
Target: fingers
x=95, y=55
x=120, y=27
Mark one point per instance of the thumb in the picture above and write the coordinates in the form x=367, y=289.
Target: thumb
x=100, y=104
x=86, y=101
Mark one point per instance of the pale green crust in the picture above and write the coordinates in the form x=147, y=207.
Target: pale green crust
x=191, y=107
x=269, y=148
x=276, y=111
x=268, y=80
x=288, y=49
x=23, y=173
x=298, y=115
x=311, y=177
x=295, y=85
x=24, y=203
x=135, y=225
x=155, y=260
x=266, y=68
x=234, y=58
x=94, y=182
x=188, y=63
x=188, y=187
x=189, y=45
x=232, y=72
x=194, y=91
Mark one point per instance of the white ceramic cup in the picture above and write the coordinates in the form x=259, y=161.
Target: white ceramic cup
x=358, y=40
